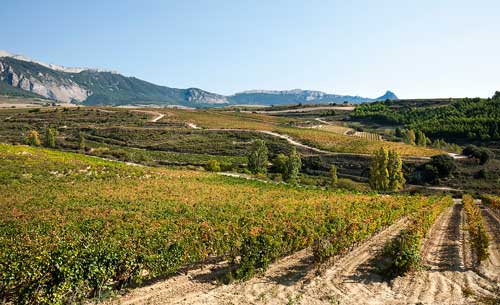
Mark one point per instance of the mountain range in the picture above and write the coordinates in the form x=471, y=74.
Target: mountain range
x=20, y=75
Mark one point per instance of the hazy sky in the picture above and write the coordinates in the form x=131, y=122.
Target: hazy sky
x=424, y=48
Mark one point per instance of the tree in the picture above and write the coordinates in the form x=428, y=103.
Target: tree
x=212, y=166
x=496, y=96
x=421, y=139
x=33, y=138
x=333, y=175
x=379, y=175
x=50, y=137
x=257, y=158
x=395, y=169
x=482, y=155
x=81, y=141
x=444, y=164
x=410, y=137
x=294, y=163
x=398, y=132
x=280, y=164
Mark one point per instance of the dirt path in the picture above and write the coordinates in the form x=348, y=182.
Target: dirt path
x=157, y=115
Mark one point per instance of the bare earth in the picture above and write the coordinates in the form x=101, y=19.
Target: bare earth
x=449, y=278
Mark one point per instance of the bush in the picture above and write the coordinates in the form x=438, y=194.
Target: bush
x=213, y=166
x=444, y=164
x=482, y=155
x=33, y=138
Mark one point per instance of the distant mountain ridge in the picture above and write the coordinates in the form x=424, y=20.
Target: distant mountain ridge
x=99, y=87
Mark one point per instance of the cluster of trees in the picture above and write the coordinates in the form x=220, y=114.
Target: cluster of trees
x=286, y=165
x=443, y=145
x=386, y=171
x=419, y=138
x=49, y=140
x=411, y=137
x=473, y=119
x=440, y=166
x=482, y=155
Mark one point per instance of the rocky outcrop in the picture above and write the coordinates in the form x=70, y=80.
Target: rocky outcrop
x=195, y=95
x=44, y=84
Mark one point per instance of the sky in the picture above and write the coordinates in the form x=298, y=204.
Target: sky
x=417, y=49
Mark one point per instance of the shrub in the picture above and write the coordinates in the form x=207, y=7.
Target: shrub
x=33, y=138
x=213, y=166
x=444, y=164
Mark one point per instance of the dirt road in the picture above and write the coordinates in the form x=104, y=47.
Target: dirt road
x=157, y=115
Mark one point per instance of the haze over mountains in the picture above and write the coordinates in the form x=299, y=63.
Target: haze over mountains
x=20, y=75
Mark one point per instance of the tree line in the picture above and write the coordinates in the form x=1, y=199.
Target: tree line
x=468, y=118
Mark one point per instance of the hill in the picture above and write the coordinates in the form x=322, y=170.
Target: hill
x=97, y=87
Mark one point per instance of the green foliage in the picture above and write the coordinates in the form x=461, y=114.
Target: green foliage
x=333, y=175
x=280, y=163
x=33, y=138
x=81, y=141
x=421, y=139
x=395, y=169
x=386, y=171
x=444, y=164
x=379, y=174
x=50, y=137
x=257, y=158
x=293, y=165
x=409, y=137
x=402, y=254
x=440, y=166
x=443, y=145
x=473, y=119
x=477, y=230
x=213, y=166
x=398, y=132
x=482, y=155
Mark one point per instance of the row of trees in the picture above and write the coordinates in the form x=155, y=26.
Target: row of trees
x=49, y=140
x=386, y=171
x=411, y=137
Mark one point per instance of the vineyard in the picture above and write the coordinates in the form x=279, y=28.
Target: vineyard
x=492, y=201
x=402, y=254
x=476, y=227
x=351, y=132
x=74, y=226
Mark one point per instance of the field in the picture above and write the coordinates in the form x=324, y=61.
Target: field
x=83, y=225
x=76, y=225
